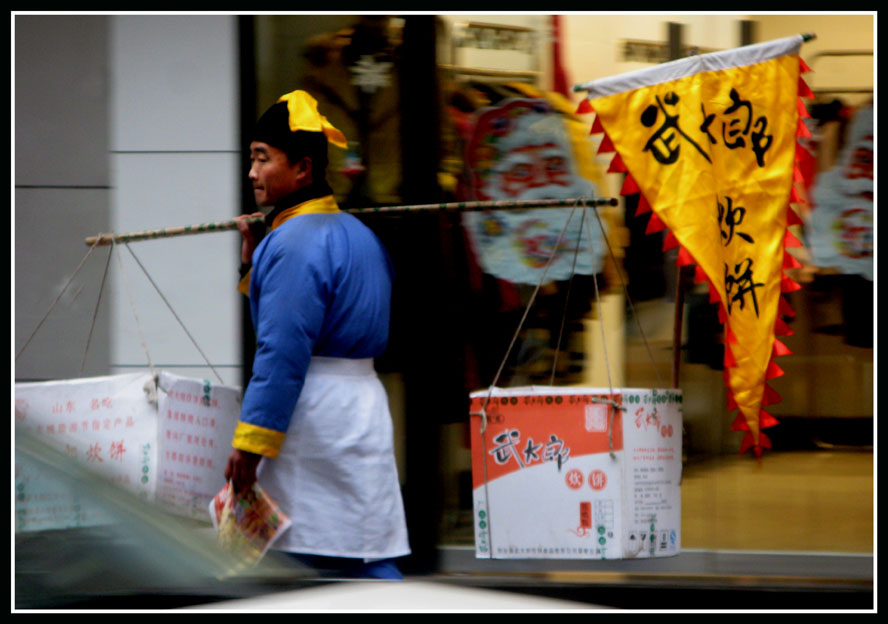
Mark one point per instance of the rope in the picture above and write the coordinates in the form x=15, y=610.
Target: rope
x=62, y=292
x=133, y=306
x=96, y=311
x=526, y=311
x=629, y=299
x=601, y=325
x=610, y=419
x=567, y=299
x=483, y=412
x=614, y=405
x=190, y=337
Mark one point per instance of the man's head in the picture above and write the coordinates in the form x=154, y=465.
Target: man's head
x=288, y=150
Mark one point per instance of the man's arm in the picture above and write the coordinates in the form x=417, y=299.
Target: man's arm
x=252, y=235
x=289, y=294
x=240, y=469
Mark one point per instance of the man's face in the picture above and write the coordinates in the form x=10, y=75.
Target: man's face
x=534, y=167
x=273, y=175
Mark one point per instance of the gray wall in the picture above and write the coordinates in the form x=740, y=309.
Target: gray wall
x=175, y=161
x=62, y=192
x=126, y=123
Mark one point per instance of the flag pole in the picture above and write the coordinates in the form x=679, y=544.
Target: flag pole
x=677, y=325
x=469, y=206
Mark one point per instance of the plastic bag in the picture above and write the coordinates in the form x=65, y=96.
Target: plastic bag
x=246, y=526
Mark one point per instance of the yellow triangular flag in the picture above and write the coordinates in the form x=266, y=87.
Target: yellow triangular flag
x=710, y=142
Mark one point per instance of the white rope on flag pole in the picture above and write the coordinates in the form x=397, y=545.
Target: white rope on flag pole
x=684, y=67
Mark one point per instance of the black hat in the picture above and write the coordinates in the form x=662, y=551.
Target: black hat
x=292, y=114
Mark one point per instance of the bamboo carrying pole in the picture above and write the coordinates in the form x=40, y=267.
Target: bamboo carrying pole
x=474, y=206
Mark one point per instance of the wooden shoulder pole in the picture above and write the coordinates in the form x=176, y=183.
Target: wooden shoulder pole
x=468, y=206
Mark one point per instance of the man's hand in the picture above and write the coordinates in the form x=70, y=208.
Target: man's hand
x=250, y=241
x=241, y=470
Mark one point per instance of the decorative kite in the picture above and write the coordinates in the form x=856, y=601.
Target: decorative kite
x=710, y=144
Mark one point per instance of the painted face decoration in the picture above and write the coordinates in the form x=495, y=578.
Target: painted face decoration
x=521, y=151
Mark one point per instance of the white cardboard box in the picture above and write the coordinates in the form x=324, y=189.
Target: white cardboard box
x=576, y=473
x=166, y=442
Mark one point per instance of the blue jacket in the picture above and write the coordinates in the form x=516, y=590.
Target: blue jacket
x=320, y=285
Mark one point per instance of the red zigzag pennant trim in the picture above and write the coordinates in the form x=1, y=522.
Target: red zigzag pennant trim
x=802, y=161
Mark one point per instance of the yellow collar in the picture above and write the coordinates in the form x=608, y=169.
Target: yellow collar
x=324, y=204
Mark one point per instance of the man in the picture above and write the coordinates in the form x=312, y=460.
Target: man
x=315, y=427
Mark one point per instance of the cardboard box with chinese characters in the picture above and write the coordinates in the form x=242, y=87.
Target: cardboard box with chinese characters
x=576, y=473
x=165, y=439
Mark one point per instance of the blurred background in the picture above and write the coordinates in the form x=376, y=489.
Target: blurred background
x=125, y=122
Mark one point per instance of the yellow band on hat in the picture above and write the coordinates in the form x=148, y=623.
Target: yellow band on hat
x=304, y=115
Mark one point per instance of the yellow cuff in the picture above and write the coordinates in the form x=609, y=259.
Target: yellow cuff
x=256, y=439
x=244, y=285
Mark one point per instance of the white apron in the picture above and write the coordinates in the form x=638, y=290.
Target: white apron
x=335, y=475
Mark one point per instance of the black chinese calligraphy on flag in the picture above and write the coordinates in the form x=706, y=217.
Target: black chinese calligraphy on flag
x=710, y=143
